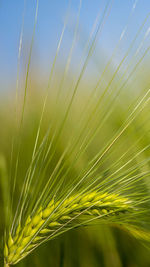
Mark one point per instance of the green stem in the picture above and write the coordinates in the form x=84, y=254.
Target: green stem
x=6, y=264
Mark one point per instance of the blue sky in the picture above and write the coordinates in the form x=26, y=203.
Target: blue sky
x=51, y=15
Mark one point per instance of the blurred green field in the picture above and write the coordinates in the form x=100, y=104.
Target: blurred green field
x=87, y=246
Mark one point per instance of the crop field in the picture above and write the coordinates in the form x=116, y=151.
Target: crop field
x=75, y=133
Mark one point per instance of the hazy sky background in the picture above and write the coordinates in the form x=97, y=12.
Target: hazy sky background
x=51, y=16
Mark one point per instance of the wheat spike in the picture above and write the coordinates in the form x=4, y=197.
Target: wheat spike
x=47, y=220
